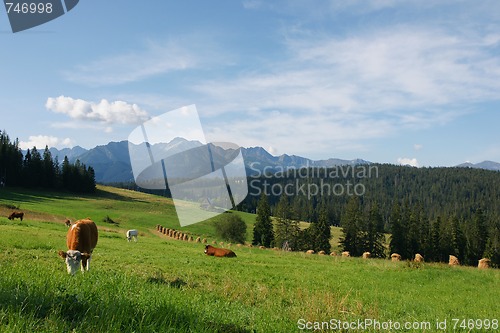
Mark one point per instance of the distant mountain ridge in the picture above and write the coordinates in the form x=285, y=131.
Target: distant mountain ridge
x=111, y=162
x=486, y=165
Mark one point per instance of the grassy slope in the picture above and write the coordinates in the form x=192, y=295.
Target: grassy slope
x=162, y=285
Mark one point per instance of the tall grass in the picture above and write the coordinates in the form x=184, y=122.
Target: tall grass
x=164, y=285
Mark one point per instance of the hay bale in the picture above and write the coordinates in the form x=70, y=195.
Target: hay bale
x=453, y=261
x=262, y=247
x=346, y=254
x=250, y=245
x=204, y=241
x=198, y=240
x=333, y=254
x=366, y=255
x=214, y=242
x=275, y=249
x=395, y=257
x=418, y=258
x=239, y=245
x=321, y=253
x=310, y=251
x=484, y=263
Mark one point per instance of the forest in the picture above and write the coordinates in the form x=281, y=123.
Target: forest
x=39, y=170
x=436, y=212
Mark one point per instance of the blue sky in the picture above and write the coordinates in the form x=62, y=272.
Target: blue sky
x=384, y=80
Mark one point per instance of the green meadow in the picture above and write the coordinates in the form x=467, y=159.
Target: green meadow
x=160, y=284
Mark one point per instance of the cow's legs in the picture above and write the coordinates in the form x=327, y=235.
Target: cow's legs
x=85, y=265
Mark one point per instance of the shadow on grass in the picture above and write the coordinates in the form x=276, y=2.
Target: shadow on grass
x=70, y=310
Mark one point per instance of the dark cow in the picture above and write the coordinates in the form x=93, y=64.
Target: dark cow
x=218, y=252
x=81, y=240
x=16, y=215
x=67, y=223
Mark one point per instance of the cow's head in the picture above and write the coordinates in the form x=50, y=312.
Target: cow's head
x=74, y=260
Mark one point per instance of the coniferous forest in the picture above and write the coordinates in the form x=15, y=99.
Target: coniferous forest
x=39, y=170
x=435, y=212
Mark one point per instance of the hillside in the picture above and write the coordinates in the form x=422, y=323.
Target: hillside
x=164, y=285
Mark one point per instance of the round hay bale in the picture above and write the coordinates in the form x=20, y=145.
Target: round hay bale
x=346, y=254
x=204, y=241
x=484, y=263
x=366, y=255
x=333, y=254
x=395, y=257
x=321, y=253
x=310, y=251
x=262, y=247
x=198, y=240
x=418, y=258
x=453, y=261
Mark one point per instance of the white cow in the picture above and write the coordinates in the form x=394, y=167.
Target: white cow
x=132, y=233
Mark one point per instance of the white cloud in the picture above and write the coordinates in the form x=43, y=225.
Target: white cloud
x=156, y=58
x=272, y=150
x=117, y=112
x=418, y=146
x=408, y=161
x=40, y=141
x=339, y=92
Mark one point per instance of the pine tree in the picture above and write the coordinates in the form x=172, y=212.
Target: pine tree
x=493, y=245
x=374, y=233
x=263, y=233
x=425, y=236
x=66, y=173
x=398, y=242
x=48, y=169
x=435, y=248
x=457, y=239
x=287, y=230
x=320, y=232
x=477, y=238
x=351, y=222
x=414, y=229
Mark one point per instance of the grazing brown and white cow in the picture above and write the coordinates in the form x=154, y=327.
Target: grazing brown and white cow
x=16, y=215
x=218, y=252
x=81, y=240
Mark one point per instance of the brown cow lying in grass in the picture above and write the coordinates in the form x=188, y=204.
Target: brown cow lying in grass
x=16, y=215
x=218, y=252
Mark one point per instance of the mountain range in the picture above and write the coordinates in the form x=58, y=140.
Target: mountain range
x=111, y=162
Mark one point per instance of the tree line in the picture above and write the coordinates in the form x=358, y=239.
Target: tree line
x=286, y=233
x=436, y=212
x=41, y=170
